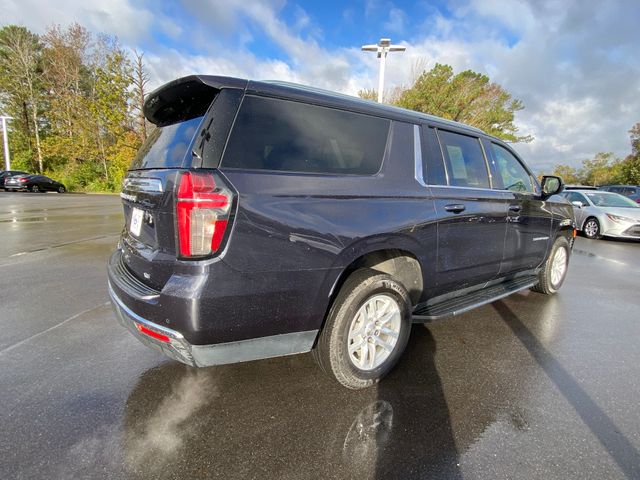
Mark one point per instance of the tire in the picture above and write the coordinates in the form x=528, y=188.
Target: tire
x=591, y=228
x=35, y=189
x=365, y=294
x=61, y=189
x=554, y=269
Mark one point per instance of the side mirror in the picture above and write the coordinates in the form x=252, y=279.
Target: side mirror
x=551, y=185
x=577, y=204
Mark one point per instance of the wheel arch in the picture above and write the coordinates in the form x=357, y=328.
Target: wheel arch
x=592, y=215
x=401, y=264
x=395, y=256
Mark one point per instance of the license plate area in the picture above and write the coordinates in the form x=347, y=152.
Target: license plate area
x=135, y=226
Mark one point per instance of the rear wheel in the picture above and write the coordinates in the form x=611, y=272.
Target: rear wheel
x=591, y=228
x=554, y=269
x=366, y=331
x=35, y=189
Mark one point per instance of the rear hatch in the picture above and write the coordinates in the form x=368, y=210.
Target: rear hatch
x=192, y=116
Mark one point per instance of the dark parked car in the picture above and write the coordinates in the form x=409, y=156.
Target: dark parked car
x=33, y=183
x=4, y=174
x=580, y=187
x=267, y=219
x=631, y=191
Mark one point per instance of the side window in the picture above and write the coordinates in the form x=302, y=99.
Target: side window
x=434, y=173
x=575, y=197
x=513, y=175
x=271, y=134
x=464, y=160
x=582, y=198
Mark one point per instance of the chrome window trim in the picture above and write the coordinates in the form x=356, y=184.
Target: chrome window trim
x=417, y=156
x=495, y=190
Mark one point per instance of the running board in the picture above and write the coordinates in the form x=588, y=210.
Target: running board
x=455, y=306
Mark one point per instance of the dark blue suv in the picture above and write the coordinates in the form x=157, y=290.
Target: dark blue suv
x=267, y=219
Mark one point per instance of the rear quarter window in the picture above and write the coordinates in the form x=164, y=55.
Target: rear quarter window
x=282, y=135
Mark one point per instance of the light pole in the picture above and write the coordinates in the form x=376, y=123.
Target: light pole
x=5, y=138
x=382, y=48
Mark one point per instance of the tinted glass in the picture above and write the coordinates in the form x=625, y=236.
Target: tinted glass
x=434, y=173
x=513, y=175
x=272, y=134
x=464, y=160
x=166, y=146
x=576, y=197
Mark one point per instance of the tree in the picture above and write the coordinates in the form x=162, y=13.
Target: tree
x=468, y=97
x=635, y=140
x=110, y=98
x=630, y=166
x=20, y=68
x=72, y=98
x=140, y=80
x=600, y=170
x=67, y=77
x=567, y=173
x=368, y=94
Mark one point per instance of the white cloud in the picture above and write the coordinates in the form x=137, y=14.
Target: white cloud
x=115, y=17
x=396, y=22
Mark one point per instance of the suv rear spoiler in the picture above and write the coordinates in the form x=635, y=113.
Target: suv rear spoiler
x=186, y=98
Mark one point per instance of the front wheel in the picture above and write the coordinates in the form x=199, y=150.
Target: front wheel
x=61, y=189
x=591, y=228
x=366, y=331
x=554, y=269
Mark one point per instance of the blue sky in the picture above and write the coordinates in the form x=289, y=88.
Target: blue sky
x=573, y=63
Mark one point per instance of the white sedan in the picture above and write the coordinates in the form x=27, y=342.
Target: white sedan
x=608, y=214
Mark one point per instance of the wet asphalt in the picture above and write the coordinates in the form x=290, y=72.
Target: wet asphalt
x=530, y=387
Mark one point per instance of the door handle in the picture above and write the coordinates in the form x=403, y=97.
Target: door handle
x=455, y=208
x=515, y=208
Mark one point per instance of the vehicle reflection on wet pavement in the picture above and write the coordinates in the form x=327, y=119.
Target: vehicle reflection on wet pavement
x=527, y=387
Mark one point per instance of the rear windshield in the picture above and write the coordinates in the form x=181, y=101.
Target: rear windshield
x=271, y=134
x=166, y=146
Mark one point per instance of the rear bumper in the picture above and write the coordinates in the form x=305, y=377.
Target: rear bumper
x=139, y=308
x=177, y=347
x=206, y=355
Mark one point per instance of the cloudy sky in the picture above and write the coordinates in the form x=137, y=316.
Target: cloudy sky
x=574, y=63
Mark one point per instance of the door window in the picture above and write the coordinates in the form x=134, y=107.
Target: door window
x=464, y=160
x=512, y=174
x=576, y=197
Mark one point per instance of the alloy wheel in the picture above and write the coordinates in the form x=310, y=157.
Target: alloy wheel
x=374, y=332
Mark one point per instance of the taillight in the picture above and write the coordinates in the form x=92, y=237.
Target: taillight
x=202, y=208
x=23, y=180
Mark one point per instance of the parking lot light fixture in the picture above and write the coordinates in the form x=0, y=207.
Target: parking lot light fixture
x=382, y=49
x=5, y=138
